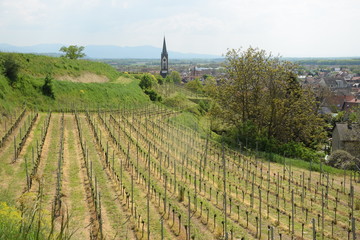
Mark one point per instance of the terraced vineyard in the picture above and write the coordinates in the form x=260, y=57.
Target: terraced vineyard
x=135, y=174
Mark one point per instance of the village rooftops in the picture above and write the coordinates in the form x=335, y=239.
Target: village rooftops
x=348, y=132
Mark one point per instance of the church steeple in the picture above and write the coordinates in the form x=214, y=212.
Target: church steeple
x=164, y=47
x=164, y=61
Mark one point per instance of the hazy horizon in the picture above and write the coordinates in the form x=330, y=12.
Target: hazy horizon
x=322, y=28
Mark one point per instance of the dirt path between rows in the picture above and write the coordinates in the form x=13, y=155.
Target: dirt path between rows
x=72, y=156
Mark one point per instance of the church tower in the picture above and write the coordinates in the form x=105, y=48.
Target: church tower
x=164, y=61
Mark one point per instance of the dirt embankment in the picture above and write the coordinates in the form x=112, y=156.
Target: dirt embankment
x=84, y=78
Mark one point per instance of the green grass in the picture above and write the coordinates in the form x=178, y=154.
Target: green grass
x=300, y=163
x=40, y=66
x=121, y=91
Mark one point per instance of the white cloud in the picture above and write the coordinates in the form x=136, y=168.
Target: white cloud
x=288, y=27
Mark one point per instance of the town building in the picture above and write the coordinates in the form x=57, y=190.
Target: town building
x=347, y=137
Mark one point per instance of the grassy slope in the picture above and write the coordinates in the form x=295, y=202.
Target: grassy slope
x=40, y=66
x=34, y=68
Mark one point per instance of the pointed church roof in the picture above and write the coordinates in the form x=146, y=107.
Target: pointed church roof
x=164, y=47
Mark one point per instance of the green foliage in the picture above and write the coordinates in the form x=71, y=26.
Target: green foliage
x=174, y=77
x=160, y=79
x=343, y=160
x=31, y=222
x=248, y=137
x=73, y=51
x=204, y=106
x=180, y=101
x=47, y=88
x=10, y=218
x=195, y=85
x=147, y=81
x=262, y=92
x=153, y=95
x=10, y=68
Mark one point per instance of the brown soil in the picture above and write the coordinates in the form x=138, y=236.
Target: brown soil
x=81, y=224
x=44, y=153
x=84, y=78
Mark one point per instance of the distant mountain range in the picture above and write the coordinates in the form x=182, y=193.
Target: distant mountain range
x=104, y=51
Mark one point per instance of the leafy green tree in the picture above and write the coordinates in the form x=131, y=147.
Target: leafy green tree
x=261, y=91
x=10, y=69
x=194, y=85
x=175, y=77
x=160, y=79
x=73, y=51
x=209, y=85
x=147, y=81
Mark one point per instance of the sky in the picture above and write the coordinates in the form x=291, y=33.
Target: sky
x=288, y=28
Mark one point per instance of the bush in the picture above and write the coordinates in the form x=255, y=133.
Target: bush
x=204, y=106
x=343, y=160
x=249, y=137
x=147, y=81
x=47, y=88
x=10, y=69
x=195, y=85
x=174, y=77
x=160, y=79
x=154, y=96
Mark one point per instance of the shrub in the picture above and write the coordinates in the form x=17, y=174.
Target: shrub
x=147, y=81
x=204, y=106
x=343, y=160
x=174, y=77
x=194, y=85
x=10, y=69
x=154, y=96
x=47, y=88
x=160, y=79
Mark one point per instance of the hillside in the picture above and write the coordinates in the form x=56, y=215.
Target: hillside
x=75, y=83
x=150, y=169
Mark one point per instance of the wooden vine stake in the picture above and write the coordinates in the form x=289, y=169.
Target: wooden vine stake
x=225, y=212
x=260, y=217
x=27, y=176
x=292, y=212
x=313, y=228
x=189, y=216
x=148, y=197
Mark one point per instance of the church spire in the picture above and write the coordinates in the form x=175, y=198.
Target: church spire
x=164, y=47
x=164, y=61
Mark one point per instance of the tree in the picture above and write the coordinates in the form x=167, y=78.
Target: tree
x=175, y=77
x=260, y=96
x=10, y=69
x=47, y=88
x=73, y=51
x=194, y=85
x=147, y=81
